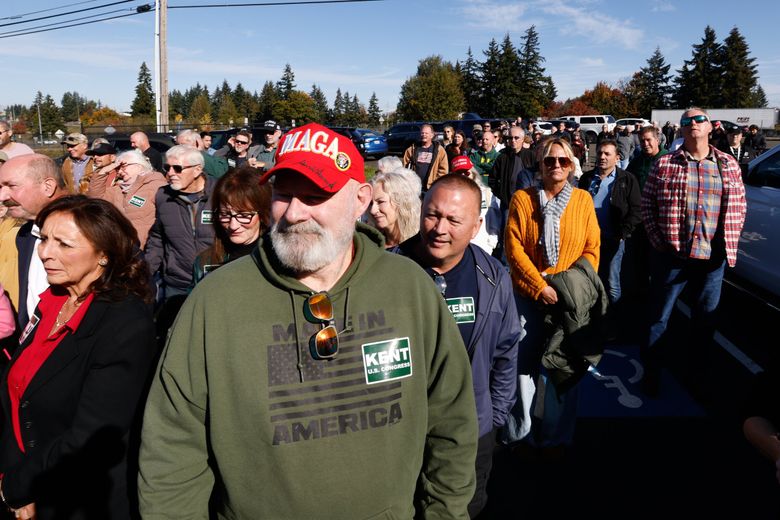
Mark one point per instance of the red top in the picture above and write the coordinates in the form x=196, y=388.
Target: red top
x=41, y=347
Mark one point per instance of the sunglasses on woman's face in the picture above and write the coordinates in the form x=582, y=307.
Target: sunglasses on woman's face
x=550, y=161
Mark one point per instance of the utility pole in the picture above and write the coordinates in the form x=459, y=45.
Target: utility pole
x=161, y=63
x=40, y=126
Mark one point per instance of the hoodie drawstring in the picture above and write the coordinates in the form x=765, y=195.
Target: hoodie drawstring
x=297, y=342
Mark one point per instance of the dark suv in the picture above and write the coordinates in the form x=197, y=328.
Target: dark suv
x=401, y=136
x=160, y=142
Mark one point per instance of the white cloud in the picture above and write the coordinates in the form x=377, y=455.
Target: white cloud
x=594, y=26
x=662, y=6
x=494, y=15
x=592, y=62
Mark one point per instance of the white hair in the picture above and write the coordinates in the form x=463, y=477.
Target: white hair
x=186, y=153
x=389, y=163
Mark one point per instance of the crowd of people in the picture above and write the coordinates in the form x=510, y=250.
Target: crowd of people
x=303, y=319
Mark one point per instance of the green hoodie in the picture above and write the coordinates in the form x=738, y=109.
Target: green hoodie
x=240, y=413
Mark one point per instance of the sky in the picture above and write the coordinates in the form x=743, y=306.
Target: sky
x=363, y=47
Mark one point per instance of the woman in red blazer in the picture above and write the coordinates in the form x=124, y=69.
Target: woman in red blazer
x=71, y=391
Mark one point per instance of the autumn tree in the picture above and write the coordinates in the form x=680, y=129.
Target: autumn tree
x=297, y=109
x=200, y=111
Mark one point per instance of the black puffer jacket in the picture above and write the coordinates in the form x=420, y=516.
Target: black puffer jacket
x=181, y=230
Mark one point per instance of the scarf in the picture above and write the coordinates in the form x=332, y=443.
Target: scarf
x=550, y=237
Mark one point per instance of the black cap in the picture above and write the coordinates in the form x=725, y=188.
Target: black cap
x=271, y=126
x=102, y=149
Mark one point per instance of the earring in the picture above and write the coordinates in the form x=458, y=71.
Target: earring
x=102, y=262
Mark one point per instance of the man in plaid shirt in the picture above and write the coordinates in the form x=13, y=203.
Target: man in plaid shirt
x=693, y=208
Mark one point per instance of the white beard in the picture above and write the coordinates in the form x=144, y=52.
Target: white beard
x=308, y=247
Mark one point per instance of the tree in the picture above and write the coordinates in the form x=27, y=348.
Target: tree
x=219, y=95
x=51, y=117
x=699, y=81
x=374, y=112
x=245, y=104
x=228, y=113
x=320, y=103
x=739, y=72
x=297, y=109
x=489, y=72
x=537, y=90
x=433, y=93
x=144, y=103
x=200, y=111
x=471, y=82
x=75, y=105
x=102, y=117
x=177, y=104
x=759, y=98
x=338, y=108
x=508, y=80
x=606, y=100
x=266, y=102
x=286, y=85
x=654, y=84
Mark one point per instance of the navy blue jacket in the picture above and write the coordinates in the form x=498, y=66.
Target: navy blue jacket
x=25, y=245
x=494, y=341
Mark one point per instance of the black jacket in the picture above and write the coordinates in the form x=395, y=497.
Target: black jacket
x=76, y=416
x=503, y=184
x=180, y=231
x=25, y=246
x=625, y=201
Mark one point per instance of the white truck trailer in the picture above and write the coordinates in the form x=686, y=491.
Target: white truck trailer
x=765, y=118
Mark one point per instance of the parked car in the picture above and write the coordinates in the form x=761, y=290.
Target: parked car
x=545, y=127
x=727, y=125
x=632, y=121
x=368, y=142
x=158, y=141
x=399, y=137
x=759, y=243
x=590, y=126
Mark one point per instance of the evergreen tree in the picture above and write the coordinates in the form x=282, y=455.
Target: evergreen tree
x=433, y=93
x=266, y=102
x=759, y=98
x=739, y=72
x=374, y=112
x=508, y=81
x=228, y=113
x=244, y=103
x=143, y=104
x=286, y=85
x=699, y=82
x=537, y=90
x=51, y=117
x=177, y=104
x=471, y=82
x=320, y=104
x=338, y=108
x=490, y=78
x=653, y=82
x=75, y=105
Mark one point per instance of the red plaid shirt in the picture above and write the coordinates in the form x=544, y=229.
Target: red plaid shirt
x=665, y=203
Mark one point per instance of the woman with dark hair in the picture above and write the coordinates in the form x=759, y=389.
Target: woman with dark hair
x=241, y=208
x=72, y=389
x=458, y=146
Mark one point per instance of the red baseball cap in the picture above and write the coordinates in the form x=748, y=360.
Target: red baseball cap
x=325, y=157
x=461, y=163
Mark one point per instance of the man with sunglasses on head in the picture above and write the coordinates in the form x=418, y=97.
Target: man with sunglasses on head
x=478, y=292
x=693, y=209
x=236, y=151
x=182, y=228
x=318, y=377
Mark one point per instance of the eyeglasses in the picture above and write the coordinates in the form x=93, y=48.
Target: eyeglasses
x=687, y=121
x=550, y=161
x=242, y=142
x=517, y=138
x=243, y=217
x=319, y=309
x=178, y=168
x=126, y=165
x=69, y=145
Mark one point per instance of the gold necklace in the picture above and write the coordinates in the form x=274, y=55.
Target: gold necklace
x=59, y=323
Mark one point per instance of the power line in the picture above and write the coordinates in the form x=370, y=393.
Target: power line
x=77, y=24
x=17, y=16
x=66, y=14
x=267, y=4
x=13, y=33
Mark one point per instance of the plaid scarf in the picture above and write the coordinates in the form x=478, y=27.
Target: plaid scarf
x=550, y=237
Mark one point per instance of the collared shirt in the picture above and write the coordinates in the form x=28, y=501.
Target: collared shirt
x=79, y=165
x=36, y=275
x=601, y=190
x=38, y=351
x=705, y=191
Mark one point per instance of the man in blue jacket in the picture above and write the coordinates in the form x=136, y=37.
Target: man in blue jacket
x=478, y=292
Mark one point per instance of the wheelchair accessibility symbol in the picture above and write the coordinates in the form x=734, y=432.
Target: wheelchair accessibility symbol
x=624, y=397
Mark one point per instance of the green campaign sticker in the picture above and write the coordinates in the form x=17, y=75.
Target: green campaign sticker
x=137, y=201
x=206, y=216
x=387, y=360
x=462, y=309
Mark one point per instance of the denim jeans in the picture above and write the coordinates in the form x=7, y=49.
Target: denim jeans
x=610, y=266
x=669, y=276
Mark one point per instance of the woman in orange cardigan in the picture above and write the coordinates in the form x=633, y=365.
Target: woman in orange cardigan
x=550, y=226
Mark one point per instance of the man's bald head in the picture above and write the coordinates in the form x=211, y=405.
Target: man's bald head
x=140, y=141
x=28, y=183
